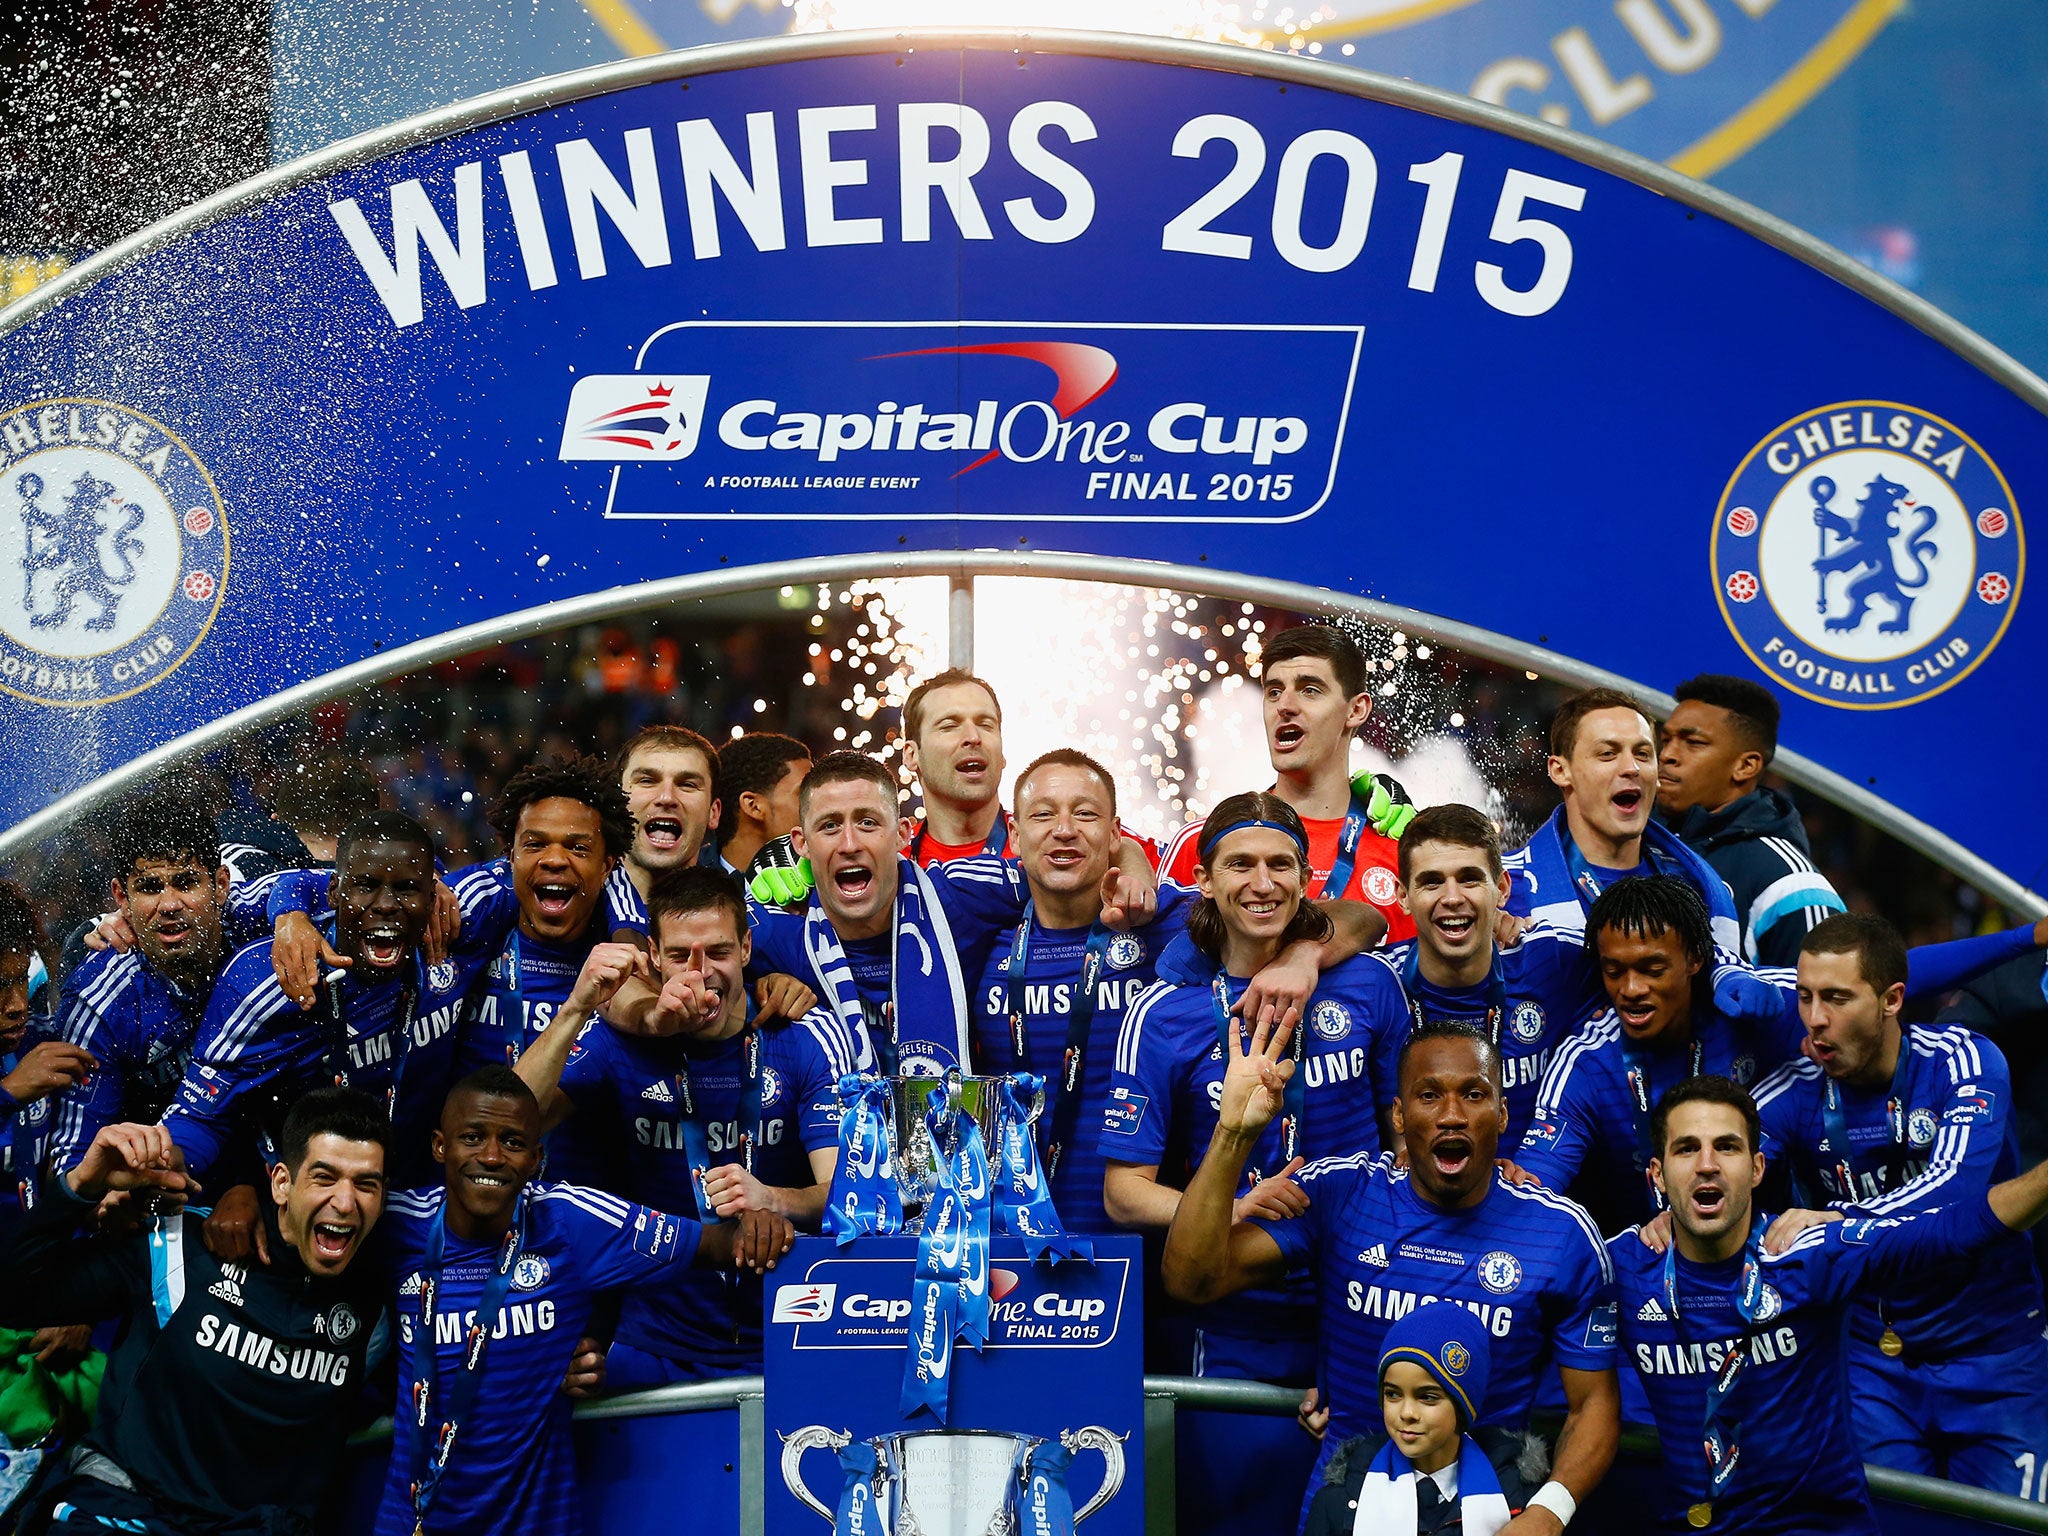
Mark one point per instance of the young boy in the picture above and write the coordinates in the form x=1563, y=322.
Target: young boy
x=1429, y=1477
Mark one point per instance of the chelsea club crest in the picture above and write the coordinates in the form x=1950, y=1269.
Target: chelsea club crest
x=113, y=552
x=1330, y=1019
x=1868, y=555
x=1125, y=951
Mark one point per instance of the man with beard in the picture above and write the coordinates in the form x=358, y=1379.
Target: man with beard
x=892, y=945
x=1711, y=758
x=1381, y=1239
x=717, y=1115
x=383, y=1020
x=953, y=742
x=136, y=1012
x=1525, y=996
x=1948, y=1374
x=1593, y=1107
x=1740, y=1348
x=1317, y=688
x=229, y=1390
x=670, y=777
x=498, y=1273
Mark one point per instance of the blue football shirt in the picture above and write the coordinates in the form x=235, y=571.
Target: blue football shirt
x=512, y=1473
x=1051, y=981
x=1799, y=1472
x=1957, y=1140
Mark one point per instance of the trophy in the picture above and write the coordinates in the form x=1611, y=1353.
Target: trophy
x=954, y=1482
x=917, y=1160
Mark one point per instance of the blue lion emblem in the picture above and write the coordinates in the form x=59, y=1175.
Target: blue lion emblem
x=1866, y=553
x=68, y=543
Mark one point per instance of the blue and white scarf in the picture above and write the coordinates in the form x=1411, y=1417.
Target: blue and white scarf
x=1544, y=870
x=927, y=993
x=1387, y=1505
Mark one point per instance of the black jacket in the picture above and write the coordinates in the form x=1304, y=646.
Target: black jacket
x=239, y=1401
x=1758, y=845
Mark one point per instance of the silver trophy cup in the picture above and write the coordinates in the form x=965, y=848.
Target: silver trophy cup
x=917, y=1160
x=951, y=1482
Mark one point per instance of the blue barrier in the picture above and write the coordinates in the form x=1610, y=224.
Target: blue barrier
x=638, y=1453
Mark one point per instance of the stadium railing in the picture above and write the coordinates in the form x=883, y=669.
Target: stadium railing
x=1166, y=1397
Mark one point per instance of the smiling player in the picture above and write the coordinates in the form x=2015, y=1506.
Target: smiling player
x=385, y=1023
x=230, y=1388
x=1317, y=691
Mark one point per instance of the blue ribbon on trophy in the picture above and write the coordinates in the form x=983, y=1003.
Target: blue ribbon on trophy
x=1023, y=1198
x=949, y=1296
x=865, y=1198
x=1048, y=1502
x=857, y=1514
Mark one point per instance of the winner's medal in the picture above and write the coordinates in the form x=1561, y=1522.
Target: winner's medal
x=1700, y=1514
x=1891, y=1344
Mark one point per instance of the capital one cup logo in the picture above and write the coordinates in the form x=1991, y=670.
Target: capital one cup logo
x=1868, y=554
x=113, y=552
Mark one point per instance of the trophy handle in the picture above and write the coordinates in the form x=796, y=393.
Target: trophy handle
x=1093, y=1437
x=810, y=1437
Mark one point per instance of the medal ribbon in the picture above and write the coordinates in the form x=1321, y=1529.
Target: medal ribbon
x=1347, y=851
x=696, y=1140
x=1589, y=884
x=1719, y=1439
x=1292, y=1096
x=336, y=1067
x=865, y=1197
x=997, y=842
x=1836, y=1144
x=1640, y=1103
x=1496, y=992
x=431, y=1452
x=1066, y=1109
x=509, y=987
x=1022, y=1194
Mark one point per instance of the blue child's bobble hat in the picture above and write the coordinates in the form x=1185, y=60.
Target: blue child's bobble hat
x=1451, y=1344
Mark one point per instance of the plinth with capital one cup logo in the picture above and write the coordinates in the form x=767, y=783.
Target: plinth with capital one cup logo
x=1056, y=1396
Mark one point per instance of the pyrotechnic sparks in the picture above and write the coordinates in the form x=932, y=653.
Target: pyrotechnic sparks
x=1160, y=686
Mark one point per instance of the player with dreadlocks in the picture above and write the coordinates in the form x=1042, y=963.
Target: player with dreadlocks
x=1651, y=936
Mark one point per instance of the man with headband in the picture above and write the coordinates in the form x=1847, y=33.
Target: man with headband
x=1172, y=1056
x=1056, y=991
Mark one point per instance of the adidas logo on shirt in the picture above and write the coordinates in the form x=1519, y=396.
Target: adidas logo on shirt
x=659, y=1093
x=1376, y=1255
x=1651, y=1311
x=227, y=1291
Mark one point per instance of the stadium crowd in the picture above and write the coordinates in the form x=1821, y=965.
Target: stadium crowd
x=1630, y=1121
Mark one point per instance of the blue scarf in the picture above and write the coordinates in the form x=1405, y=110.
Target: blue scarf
x=1547, y=871
x=1387, y=1505
x=927, y=994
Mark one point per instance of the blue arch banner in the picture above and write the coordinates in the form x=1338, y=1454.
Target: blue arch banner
x=1159, y=301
